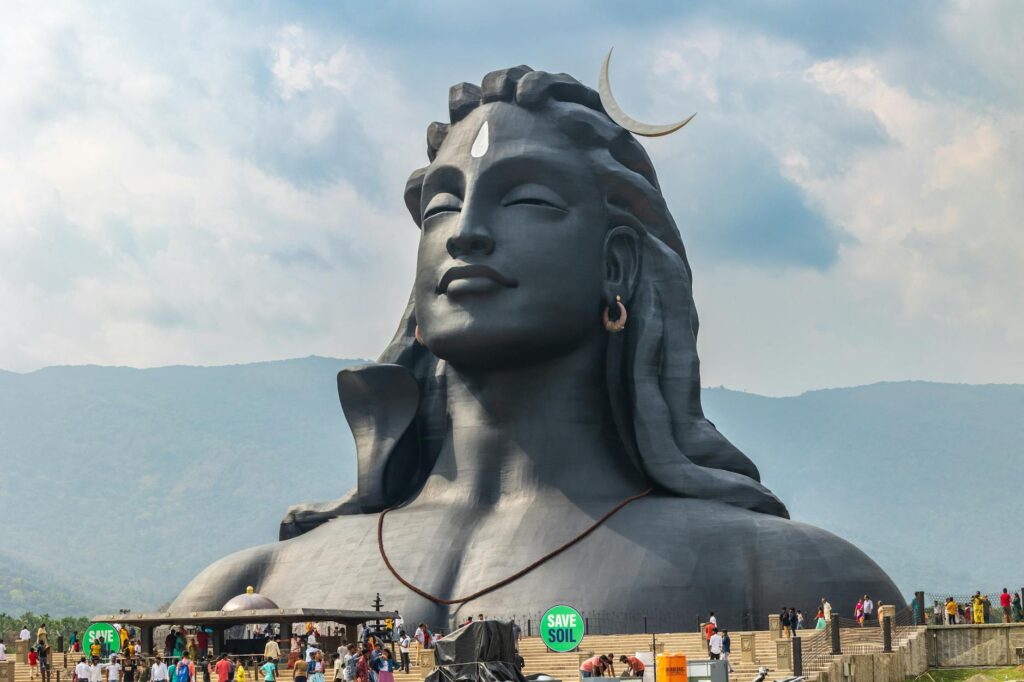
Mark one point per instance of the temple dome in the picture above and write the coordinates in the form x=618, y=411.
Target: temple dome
x=248, y=601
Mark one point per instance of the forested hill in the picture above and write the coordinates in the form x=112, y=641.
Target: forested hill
x=118, y=484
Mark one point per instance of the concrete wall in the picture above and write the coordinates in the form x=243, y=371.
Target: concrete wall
x=974, y=645
x=910, y=660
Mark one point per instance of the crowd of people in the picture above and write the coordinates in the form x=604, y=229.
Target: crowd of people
x=979, y=609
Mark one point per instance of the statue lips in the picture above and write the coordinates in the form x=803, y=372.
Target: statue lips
x=471, y=279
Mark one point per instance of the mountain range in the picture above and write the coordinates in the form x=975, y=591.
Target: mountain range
x=117, y=485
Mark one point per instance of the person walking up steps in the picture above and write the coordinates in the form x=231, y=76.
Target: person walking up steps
x=404, y=641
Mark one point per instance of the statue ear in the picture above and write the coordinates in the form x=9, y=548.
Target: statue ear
x=622, y=251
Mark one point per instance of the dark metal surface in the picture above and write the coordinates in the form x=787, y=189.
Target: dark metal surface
x=520, y=420
x=241, y=617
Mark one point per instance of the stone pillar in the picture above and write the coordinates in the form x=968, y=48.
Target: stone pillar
x=837, y=643
x=7, y=671
x=147, y=640
x=286, y=634
x=774, y=625
x=21, y=651
x=748, y=647
x=798, y=658
x=784, y=654
x=887, y=634
x=886, y=610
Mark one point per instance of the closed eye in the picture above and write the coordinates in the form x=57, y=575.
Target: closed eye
x=535, y=195
x=442, y=202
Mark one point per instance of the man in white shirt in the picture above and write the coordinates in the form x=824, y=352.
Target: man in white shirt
x=826, y=610
x=715, y=646
x=869, y=608
x=158, y=672
x=25, y=634
x=96, y=671
x=403, y=647
x=712, y=619
x=82, y=670
x=113, y=669
x=3, y=650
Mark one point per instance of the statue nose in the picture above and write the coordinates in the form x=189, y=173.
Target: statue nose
x=470, y=244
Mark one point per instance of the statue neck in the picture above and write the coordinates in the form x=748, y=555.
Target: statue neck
x=516, y=433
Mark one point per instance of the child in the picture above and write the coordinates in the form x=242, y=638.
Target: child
x=33, y=662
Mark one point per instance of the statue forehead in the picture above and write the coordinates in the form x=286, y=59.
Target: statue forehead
x=498, y=130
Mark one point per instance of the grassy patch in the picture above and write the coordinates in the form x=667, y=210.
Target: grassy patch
x=964, y=674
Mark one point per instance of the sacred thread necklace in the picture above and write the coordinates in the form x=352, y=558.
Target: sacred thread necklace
x=501, y=583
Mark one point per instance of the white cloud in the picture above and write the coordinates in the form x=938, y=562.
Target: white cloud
x=141, y=226
x=928, y=281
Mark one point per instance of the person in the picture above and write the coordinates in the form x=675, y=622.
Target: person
x=3, y=650
x=423, y=636
x=130, y=666
x=311, y=651
x=158, y=671
x=96, y=648
x=300, y=670
x=113, y=669
x=978, y=607
x=709, y=630
x=594, y=666
x=784, y=623
x=363, y=666
x=1005, y=601
x=73, y=641
x=404, y=641
x=517, y=633
x=44, y=660
x=715, y=645
x=223, y=669
x=33, y=663
x=350, y=663
x=726, y=649
x=24, y=635
x=41, y=633
x=316, y=670
x=826, y=609
x=799, y=620
x=986, y=609
x=96, y=671
x=169, y=643
x=272, y=650
x=294, y=650
x=1018, y=613
x=82, y=670
x=950, y=611
x=869, y=609
x=269, y=670
x=819, y=621
x=610, y=669
x=634, y=666
x=338, y=666
x=385, y=667
x=858, y=612
x=240, y=674
x=480, y=617
x=185, y=670
x=712, y=619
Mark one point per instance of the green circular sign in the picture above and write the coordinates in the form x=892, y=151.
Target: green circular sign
x=561, y=628
x=111, y=638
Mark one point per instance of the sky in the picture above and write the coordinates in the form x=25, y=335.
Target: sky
x=220, y=182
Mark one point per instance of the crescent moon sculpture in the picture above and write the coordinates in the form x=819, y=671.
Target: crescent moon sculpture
x=616, y=113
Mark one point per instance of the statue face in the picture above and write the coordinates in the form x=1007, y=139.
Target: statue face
x=511, y=254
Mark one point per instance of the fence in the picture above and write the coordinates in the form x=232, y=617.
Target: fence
x=632, y=622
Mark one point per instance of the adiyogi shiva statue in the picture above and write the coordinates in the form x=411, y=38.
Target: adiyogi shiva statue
x=533, y=434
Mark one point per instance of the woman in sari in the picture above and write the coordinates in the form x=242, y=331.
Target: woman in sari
x=858, y=612
x=979, y=608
